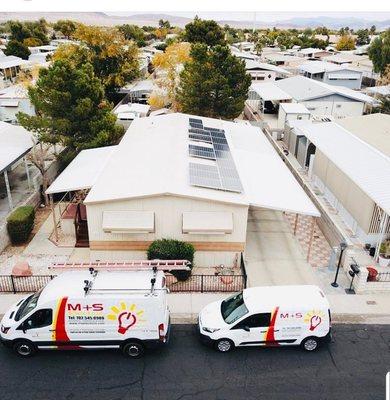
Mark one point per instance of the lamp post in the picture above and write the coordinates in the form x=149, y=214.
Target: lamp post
x=343, y=246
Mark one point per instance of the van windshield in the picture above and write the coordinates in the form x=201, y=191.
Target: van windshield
x=233, y=308
x=28, y=305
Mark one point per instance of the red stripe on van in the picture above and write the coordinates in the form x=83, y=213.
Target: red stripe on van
x=61, y=335
x=270, y=337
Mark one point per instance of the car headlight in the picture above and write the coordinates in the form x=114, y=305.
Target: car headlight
x=211, y=330
x=4, y=329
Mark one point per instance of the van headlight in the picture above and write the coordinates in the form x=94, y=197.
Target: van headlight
x=211, y=330
x=4, y=329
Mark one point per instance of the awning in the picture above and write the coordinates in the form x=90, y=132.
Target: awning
x=207, y=222
x=15, y=142
x=268, y=91
x=128, y=221
x=344, y=76
x=9, y=103
x=83, y=171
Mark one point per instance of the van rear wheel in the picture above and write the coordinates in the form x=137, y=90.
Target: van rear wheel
x=133, y=349
x=310, y=344
x=224, y=345
x=24, y=348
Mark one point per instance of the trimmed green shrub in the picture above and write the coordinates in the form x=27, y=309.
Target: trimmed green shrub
x=170, y=249
x=20, y=224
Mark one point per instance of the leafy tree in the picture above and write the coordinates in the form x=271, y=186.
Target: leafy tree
x=169, y=63
x=164, y=24
x=346, y=42
x=363, y=37
x=114, y=59
x=66, y=26
x=32, y=42
x=379, y=52
x=133, y=32
x=18, y=49
x=214, y=83
x=71, y=109
x=23, y=30
x=204, y=31
x=384, y=106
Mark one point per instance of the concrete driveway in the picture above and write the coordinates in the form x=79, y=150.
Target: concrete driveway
x=273, y=256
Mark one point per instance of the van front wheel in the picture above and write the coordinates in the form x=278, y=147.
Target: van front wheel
x=224, y=345
x=310, y=344
x=24, y=348
x=133, y=349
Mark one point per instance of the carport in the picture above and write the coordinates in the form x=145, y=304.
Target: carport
x=261, y=93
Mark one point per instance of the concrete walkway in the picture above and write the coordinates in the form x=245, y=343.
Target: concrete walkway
x=273, y=255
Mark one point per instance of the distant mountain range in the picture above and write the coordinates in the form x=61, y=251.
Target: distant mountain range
x=100, y=18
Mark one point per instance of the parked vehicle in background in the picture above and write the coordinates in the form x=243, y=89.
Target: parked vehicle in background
x=91, y=310
x=267, y=316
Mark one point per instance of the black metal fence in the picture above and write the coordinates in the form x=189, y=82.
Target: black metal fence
x=19, y=284
x=383, y=277
x=207, y=283
x=195, y=283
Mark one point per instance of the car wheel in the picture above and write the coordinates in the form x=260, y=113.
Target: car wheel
x=310, y=344
x=133, y=349
x=224, y=345
x=24, y=348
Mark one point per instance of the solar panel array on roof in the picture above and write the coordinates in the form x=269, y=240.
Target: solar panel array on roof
x=222, y=176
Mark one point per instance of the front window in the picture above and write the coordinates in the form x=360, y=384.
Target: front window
x=27, y=306
x=233, y=308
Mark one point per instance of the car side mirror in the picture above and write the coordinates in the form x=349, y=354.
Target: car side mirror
x=246, y=328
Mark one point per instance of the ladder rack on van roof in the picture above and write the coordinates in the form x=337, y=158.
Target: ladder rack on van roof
x=137, y=265
x=88, y=284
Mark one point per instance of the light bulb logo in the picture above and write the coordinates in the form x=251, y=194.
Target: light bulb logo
x=126, y=320
x=126, y=316
x=314, y=319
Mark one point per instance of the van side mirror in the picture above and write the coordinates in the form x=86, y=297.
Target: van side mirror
x=24, y=327
x=246, y=328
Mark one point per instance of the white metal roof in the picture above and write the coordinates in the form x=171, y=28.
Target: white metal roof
x=251, y=64
x=294, y=108
x=15, y=141
x=362, y=163
x=372, y=128
x=310, y=50
x=145, y=85
x=83, y=171
x=132, y=108
x=269, y=91
x=381, y=90
x=316, y=67
x=302, y=89
x=152, y=159
x=13, y=92
x=11, y=61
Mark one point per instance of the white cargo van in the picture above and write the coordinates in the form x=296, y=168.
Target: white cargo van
x=267, y=316
x=91, y=309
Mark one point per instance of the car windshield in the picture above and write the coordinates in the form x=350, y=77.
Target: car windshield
x=233, y=308
x=28, y=305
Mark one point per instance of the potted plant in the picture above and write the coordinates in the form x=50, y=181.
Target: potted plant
x=384, y=253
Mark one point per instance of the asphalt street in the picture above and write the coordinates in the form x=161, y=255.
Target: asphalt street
x=352, y=367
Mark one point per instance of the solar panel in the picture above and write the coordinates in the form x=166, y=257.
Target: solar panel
x=204, y=176
x=201, y=151
x=200, y=138
x=222, y=176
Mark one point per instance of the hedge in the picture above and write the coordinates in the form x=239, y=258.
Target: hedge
x=170, y=249
x=20, y=224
